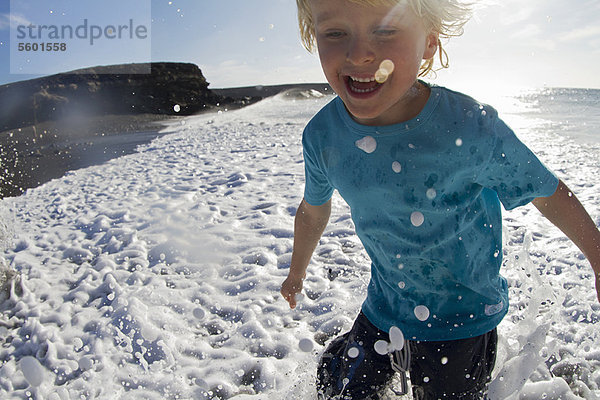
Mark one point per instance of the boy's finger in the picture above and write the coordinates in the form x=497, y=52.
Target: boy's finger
x=289, y=298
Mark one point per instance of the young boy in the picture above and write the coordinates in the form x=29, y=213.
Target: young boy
x=424, y=171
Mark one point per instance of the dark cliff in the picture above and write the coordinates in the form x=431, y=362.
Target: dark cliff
x=106, y=90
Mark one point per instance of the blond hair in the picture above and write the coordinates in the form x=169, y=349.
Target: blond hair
x=444, y=17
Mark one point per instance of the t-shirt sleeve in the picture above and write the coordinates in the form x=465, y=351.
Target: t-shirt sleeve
x=317, y=188
x=514, y=172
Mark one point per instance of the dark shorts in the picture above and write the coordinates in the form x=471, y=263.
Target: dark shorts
x=457, y=369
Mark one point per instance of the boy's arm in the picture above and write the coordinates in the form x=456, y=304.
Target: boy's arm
x=565, y=211
x=309, y=224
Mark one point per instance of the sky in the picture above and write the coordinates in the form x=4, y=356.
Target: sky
x=508, y=43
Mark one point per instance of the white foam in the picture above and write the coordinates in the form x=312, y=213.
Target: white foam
x=158, y=274
x=33, y=371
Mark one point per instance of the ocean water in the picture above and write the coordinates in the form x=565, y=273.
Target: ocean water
x=156, y=275
x=573, y=113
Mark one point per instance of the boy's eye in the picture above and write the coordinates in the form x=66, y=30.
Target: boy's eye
x=334, y=34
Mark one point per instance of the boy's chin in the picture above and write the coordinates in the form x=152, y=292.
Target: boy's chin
x=365, y=117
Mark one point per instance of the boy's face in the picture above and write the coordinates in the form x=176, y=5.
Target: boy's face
x=353, y=40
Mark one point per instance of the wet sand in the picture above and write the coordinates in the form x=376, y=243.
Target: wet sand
x=31, y=156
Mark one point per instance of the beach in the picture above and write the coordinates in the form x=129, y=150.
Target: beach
x=156, y=274
x=33, y=155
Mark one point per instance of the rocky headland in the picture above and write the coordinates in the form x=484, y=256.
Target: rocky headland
x=106, y=90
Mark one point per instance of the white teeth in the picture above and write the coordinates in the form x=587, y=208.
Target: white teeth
x=363, y=90
x=363, y=80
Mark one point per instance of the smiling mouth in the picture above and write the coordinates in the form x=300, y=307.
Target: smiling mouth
x=359, y=85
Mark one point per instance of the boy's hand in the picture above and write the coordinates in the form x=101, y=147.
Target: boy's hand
x=309, y=223
x=290, y=288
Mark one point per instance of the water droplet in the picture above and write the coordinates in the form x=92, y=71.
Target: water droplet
x=368, y=144
x=353, y=352
x=422, y=313
x=417, y=218
x=492, y=309
x=198, y=313
x=381, y=75
x=385, y=70
x=387, y=65
x=306, y=345
x=396, y=338
x=381, y=347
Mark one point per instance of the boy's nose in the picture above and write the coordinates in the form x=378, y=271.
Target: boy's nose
x=359, y=52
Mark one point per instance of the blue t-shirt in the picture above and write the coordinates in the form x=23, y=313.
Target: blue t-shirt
x=425, y=200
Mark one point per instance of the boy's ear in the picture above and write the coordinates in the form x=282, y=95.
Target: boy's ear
x=431, y=45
